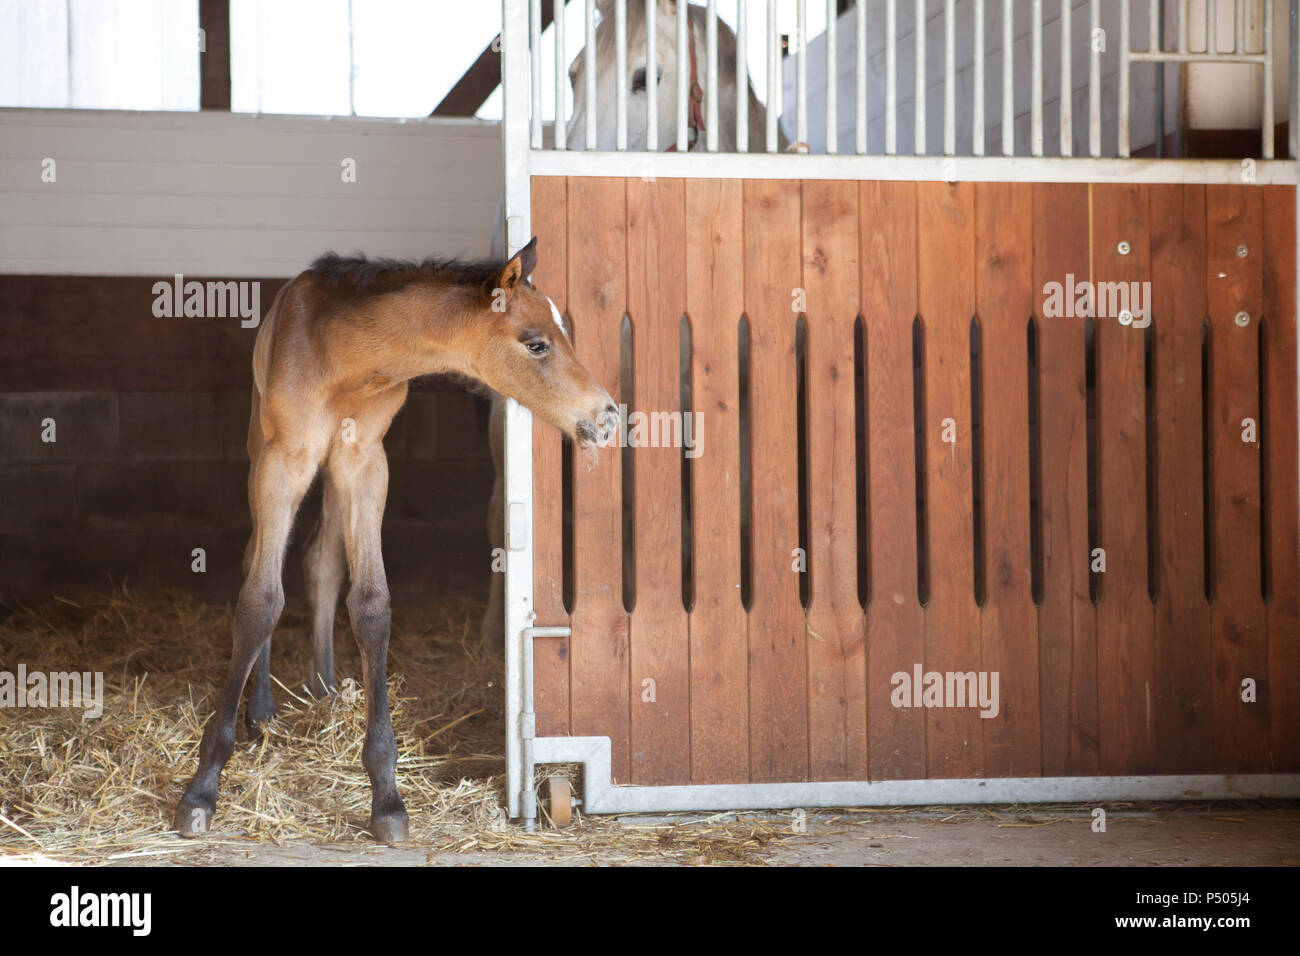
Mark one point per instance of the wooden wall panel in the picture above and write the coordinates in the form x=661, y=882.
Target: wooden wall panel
x=656, y=276
x=778, y=662
x=1184, y=679
x=836, y=629
x=1282, y=486
x=946, y=284
x=599, y=666
x=551, y=654
x=1008, y=620
x=1234, y=218
x=718, y=625
x=1067, y=619
x=1125, y=624
x=895, y=619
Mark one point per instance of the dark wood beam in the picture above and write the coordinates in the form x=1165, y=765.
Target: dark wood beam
x=214, y=60
x=476, y=85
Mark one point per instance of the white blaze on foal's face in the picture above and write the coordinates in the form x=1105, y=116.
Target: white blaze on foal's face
x=559, y=319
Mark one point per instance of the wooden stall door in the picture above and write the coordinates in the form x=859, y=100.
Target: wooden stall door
x=1062, y=452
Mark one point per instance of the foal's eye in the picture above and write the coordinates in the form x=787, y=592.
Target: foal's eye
x=537, y=347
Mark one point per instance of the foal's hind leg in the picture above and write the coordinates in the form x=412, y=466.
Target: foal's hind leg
x=280, y=478
x=323, y=569
x=360, y=473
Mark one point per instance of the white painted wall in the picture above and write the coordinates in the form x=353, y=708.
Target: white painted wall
x=1143, y=84
x=222, y=194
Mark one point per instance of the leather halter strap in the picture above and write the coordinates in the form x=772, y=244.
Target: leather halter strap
x=695, y=114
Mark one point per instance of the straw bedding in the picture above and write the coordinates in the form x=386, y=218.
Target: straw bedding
x=75, y=789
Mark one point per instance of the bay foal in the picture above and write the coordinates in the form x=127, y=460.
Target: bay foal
x=331, y=366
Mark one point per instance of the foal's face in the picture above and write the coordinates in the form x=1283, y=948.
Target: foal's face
x=527, y=356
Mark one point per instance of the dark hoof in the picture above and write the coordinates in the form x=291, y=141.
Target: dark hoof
x=255, y=724
x=319, y=689
x=193, y=819
x=391, y=828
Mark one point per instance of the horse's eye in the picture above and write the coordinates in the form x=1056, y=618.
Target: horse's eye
x=537, y=347
x=638, y=79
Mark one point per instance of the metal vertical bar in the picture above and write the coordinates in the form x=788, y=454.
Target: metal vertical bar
x=1239, y=27
x=1124, y=67
x=1094, y=78
x=918, y=79
x=1293, y=78
x=620, y=70
x=651, y=78
x=832, y=90
x=1182, y=26
x=683, y=78
x=1036, y=79
x=589, y=72
x=1211, y=26
x=1008, y=81
x=1067, y=81
x=535, y=71
x=801, y=74
x=891, y=77
x=949, y=79
x=860, y=12
x=773, y=77
x=711, y=76
x=977, y=107
x=561, y=74
x=518, y=483
x=1154, y=10
x=1160, y=85
x=742, y=81
x=1268, y=117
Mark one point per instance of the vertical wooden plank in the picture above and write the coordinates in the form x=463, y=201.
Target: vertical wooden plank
x=778, y=663
x=836, y=630
x=656, y=276
x=715, y=299
x=1234, y=217
x=1008, y=620
x=1282, y=481
x=895, y=620
x=599, y=663
x=1184, y=735
x=1125, y=620
x=214, y=73
x=551, y=655
x=946, y=283
x=1067, y=632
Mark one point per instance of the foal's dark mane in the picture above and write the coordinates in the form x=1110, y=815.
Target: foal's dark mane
x=366, y=275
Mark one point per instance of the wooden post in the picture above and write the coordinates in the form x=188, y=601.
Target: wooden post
x=214, y=58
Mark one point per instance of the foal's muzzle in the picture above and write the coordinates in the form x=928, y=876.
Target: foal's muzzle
x=599, y=430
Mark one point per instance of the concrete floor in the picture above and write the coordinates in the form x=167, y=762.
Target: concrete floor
x=1237, y=834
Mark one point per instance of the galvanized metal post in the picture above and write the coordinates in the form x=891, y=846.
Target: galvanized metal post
x=519, y=424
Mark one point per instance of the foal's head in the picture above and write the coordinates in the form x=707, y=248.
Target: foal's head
x=522, y=349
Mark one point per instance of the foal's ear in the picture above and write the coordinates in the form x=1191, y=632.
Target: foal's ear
x=518, y=269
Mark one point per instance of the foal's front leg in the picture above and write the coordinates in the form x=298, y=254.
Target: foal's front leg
x=360, y=475
x=279, y=480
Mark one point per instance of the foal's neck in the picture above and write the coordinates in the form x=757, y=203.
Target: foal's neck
x=423, y=328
